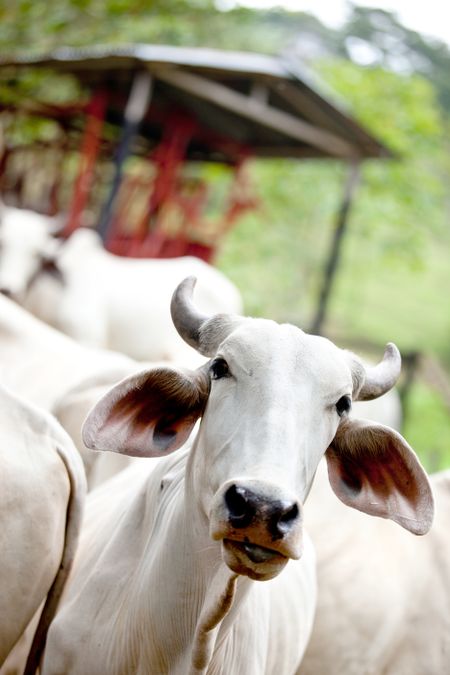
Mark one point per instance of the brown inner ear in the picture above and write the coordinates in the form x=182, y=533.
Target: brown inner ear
x=386, y=474
x=372, y=469
x=168, y=405
x=150, y=414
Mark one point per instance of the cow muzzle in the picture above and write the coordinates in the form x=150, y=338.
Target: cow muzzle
x=259, y=525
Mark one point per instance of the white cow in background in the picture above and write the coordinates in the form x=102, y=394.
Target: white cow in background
x=26, y=243
x=41, y=497
x=101, y=299
x=165, y=576
x=58, y=374
x=383, y=597
x=41, y=364
x=71, y=410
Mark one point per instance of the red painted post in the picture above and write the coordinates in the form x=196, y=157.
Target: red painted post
x=95, y=114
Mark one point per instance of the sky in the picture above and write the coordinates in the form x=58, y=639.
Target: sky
x=431, y=17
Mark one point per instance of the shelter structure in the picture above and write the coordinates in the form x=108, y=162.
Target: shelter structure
x=166, y=107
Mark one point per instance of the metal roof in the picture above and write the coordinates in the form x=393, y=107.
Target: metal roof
x=266, y=103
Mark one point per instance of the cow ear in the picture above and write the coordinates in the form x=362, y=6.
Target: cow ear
x=373, y=469
x=150, y=414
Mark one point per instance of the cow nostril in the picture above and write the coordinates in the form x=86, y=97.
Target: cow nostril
x=6, y=292
x=289, y=515
x=284, y=520
x=241, y=510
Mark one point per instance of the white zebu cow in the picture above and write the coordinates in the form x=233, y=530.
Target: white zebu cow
x=26, y=242
x=71, y=411
x=101, y=299
x=47, y=368
x=383, y=597
x=164, y=580
x=41, y=497
x=41, y=364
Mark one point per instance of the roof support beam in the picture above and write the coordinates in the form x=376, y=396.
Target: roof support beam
x=137, y=104
x=304, y=102
x=334, y=256
x=314, y=109
x=258, y=111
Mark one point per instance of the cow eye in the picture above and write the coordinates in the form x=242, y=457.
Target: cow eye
x=343, y=405
x=219, y=369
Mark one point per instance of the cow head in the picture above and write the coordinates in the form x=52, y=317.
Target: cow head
x=274, y=400
x=26, y=244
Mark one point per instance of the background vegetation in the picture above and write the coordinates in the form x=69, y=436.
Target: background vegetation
x=394, y=278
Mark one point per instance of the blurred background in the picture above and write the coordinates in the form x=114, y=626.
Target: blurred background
x=386, y=66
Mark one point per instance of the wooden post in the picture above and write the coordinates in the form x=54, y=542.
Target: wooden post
x=255, y=109
x=335, y=250
x=135, y=110
x=410, y=367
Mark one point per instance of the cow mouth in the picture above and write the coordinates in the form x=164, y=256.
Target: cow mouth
x=251, y=560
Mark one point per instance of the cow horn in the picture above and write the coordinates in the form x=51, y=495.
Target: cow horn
x=381, y=378
x=200, y=331
x=185, y=316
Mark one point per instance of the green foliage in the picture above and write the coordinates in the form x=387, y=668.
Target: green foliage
x=409, y=193
x=427, y=427
x=38, y=26
x=400, y=48
x=401, y=109
x=277, y=253
x=37, y=85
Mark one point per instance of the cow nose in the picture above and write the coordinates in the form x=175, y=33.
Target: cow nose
x=241, y=505
x=245, y=506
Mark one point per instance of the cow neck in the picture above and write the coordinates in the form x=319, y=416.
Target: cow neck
x=223, y=590
x=177, y=596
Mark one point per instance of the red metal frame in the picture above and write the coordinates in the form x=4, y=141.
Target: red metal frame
x=168, y=191
x=95, y=115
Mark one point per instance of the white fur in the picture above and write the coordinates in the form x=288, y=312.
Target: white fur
x=58, y=374
x=39, y=470
x=105, y=300
x=152, y=592
x=384, y=596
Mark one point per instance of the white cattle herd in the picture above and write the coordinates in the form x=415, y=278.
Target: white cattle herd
x=100, y=299
x=218, y=538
